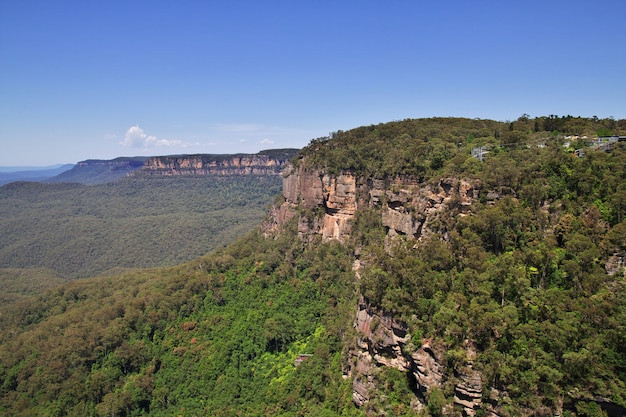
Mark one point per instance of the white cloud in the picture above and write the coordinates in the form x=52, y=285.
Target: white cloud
x=136, y=138
x=267, y=141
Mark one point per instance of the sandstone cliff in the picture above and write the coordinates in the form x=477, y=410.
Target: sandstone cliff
x=269, y=162
x=383, y=341
x=407, y=206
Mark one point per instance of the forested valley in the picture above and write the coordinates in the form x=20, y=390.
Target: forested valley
x=518, y=288
x=79, y=230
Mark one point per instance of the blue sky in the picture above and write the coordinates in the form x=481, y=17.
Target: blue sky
x=83, y=79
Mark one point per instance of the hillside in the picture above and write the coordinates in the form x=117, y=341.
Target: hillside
x=496, y=287
x=20, y=284
x=397, y=275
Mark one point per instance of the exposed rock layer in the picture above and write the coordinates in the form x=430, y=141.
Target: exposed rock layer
x=384, y=341
x=264, y=163
x=407, y=206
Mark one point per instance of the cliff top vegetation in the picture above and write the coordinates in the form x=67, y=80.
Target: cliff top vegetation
x=423, y=148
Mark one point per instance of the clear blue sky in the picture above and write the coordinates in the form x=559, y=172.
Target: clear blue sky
x=101, y=79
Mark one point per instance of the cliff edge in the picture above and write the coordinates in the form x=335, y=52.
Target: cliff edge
x=269, y=162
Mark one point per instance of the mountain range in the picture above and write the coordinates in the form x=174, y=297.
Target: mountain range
x=11, y=174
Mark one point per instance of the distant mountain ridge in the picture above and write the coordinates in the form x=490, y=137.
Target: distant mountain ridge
x=12, y=174
x=98, y=171
x=268, y=162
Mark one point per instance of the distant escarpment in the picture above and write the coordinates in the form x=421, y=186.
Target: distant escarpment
x=98, y=171
x=268, y=162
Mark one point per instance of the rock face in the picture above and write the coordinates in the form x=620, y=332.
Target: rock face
x=468, y=392
x=264, y=163
x=384, y=341
x=330, y=202
x=616, y=264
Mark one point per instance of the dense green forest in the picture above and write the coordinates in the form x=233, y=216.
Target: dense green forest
x=520, y=276
x=421, y=147
x=216, y=336
x=17, y=284
x=83, y=230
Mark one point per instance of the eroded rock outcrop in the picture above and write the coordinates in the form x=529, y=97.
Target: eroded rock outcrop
x=329, y=202
x=383, y=341
x=468, y=392
x=616, y=264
